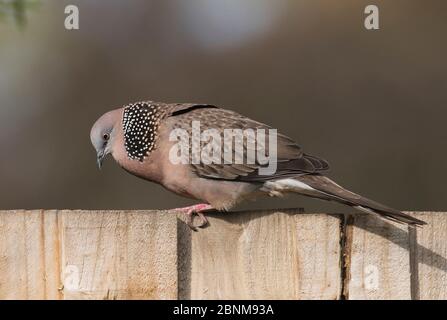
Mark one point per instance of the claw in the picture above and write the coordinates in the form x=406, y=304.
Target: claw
x=203, y=220
x=189, y=215
x=189, y=220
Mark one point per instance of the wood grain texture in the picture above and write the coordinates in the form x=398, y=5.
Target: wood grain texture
x=282, y=254
x=265, y=255
x=431, y=256
x=119, y=255
x=29, y=255
x=379, y=259
x=88, y=255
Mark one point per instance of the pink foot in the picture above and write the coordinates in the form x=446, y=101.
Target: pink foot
x=195, y=209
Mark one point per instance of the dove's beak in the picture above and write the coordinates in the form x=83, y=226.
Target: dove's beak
x=100, y=159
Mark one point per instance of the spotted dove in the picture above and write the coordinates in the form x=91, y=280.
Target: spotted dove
x=138, y=137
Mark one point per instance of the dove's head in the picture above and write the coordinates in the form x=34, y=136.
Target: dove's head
x=103, y=133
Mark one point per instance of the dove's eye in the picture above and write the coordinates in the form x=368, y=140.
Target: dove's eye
x=106, y=136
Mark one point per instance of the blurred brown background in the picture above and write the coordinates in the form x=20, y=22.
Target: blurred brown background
x=374, y=103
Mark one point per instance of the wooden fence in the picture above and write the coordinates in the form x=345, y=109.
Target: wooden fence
x=282, y=254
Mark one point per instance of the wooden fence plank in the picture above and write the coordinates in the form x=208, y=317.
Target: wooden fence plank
x=280, y=255
x=246, y=255
x=431, y=253
x=379, y=259
x=119, y=255
x=29, y=264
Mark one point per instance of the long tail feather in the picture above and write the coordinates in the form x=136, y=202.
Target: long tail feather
x=322, y=187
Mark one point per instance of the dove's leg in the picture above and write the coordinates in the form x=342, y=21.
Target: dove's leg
x=195, y=209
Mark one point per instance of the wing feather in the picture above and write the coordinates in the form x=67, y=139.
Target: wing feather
x=291, y=160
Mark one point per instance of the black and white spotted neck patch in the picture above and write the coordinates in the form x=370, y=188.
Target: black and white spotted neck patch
x=140, y=125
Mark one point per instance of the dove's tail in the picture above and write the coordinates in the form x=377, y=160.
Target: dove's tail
x=319, y=186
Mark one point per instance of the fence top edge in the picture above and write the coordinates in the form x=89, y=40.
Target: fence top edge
x=166, y=211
